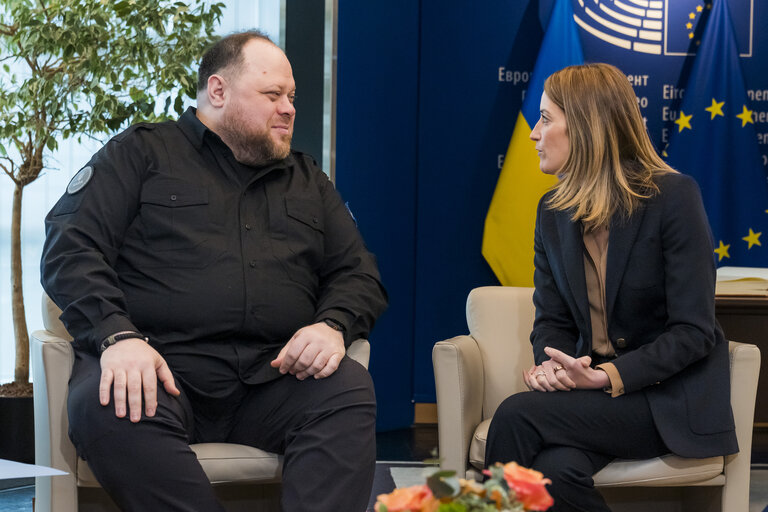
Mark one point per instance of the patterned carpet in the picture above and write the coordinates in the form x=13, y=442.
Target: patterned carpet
x=395, y=474
x=17, y=496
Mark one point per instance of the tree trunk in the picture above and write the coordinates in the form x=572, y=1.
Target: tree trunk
x=21, y=373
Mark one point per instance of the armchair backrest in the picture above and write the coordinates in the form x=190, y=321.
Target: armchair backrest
x=500, y=319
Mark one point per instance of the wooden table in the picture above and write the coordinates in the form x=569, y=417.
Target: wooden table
x=745, y=319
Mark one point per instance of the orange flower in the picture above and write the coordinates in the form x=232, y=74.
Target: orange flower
x=416, y=499
x=471, y=487
x=528, y=484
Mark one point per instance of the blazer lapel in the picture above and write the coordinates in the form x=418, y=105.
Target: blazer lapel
x=572, y=256
x=622, y=236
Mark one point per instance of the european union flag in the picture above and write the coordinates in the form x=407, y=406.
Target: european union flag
x=714, y=140
x=682, y=17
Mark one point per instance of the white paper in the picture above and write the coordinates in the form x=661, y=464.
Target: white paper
x=733, y=273
x=11, y=469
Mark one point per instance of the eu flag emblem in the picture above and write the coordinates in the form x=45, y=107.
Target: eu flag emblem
x=714, y=140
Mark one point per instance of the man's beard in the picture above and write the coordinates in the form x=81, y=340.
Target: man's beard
x=251, y=147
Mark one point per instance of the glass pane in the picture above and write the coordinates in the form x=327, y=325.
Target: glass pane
x=41, y=195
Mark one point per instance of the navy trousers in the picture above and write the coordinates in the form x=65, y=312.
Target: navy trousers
x=325, y=429
x=571, y=435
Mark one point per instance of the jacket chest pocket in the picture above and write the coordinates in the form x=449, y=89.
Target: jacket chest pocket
x=298, y=233
x=175, y=215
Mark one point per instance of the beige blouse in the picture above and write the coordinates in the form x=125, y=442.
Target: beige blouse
x=595, y=256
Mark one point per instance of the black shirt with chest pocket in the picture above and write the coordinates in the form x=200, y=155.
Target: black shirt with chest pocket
x=168, y=235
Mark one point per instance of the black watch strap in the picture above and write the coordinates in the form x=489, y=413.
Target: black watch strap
x=333, y=324
x=111, y=340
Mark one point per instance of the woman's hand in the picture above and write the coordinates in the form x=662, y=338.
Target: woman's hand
x=549, y=376
x=577, y=370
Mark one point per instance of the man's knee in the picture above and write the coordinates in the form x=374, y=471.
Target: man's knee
x=89, y=421
x=360, y=378
x=350, y=385
x=346, y=399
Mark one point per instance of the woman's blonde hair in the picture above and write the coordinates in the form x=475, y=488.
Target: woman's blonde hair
x=611, y=162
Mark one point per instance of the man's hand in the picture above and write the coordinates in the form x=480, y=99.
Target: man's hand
x=315, y=350
x=578, y=370
x=131, y=367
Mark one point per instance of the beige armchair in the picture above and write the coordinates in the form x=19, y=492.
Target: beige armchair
x=227, y=465
x=476, y=372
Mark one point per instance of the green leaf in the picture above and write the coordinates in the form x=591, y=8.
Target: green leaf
x=178, y=105
x=444, y=484
x=106, y=64
x=122, y=7
x=454, y=507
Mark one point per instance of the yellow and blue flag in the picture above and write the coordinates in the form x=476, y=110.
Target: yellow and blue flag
x=509, y=224
x=714, y=140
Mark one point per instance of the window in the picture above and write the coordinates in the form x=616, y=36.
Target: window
x=40, y=196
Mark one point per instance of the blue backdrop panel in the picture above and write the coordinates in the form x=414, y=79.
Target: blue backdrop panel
x=376, y=143
x=428, y=94
x=471, y=84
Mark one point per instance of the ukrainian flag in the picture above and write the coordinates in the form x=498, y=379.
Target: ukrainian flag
x=509, y=225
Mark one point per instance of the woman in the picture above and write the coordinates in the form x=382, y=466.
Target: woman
x=629, y=360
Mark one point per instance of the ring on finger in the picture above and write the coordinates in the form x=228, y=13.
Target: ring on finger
x=558, y=368
x=539, y=374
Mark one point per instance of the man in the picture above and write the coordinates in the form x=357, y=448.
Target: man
x=212, y=278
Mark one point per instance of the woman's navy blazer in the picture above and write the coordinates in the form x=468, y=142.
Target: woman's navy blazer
x=659, y=301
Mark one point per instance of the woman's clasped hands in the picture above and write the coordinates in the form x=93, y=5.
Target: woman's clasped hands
x=564, y=373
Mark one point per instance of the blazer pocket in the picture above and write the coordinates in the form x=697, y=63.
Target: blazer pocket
x=707, y=394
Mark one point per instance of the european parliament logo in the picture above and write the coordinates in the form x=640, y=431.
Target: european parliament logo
x=659, y=27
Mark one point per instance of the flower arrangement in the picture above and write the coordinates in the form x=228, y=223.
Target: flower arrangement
x=509, y=488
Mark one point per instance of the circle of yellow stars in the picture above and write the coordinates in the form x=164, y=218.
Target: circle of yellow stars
x=691, y=24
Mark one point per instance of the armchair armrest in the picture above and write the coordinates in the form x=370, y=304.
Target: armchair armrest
x=52, y=359
x=745, y=370
x=360, y=351
x=459, y=383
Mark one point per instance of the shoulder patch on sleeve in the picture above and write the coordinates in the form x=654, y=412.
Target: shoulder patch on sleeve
x=80, y=180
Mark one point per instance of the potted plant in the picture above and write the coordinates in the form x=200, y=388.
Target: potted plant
x=75, y=68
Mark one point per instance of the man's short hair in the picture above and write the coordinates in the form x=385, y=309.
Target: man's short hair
x=225, y=53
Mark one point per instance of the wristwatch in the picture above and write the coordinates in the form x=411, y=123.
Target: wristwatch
x=333, y=324
x=125, y=335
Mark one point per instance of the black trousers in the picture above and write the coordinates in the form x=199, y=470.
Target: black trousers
x=570, y=436
x=325, y=428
